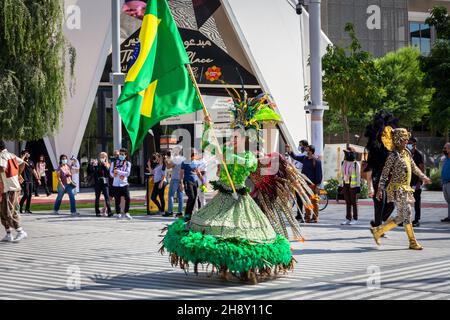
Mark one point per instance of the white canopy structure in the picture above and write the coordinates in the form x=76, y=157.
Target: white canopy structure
x=273, y=38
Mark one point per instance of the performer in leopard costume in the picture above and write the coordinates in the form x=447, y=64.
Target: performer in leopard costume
x=398, y=167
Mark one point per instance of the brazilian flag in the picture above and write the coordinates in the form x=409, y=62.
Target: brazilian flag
x=157, y=85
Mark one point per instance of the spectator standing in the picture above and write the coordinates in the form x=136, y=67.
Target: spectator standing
x=99, y=170
x=416, y=183
x=75, y=170
x=28, y=175
x=189, y=174
x=41, y=169
x=11, y=168
x=65, y=185
x=445, y=178
x=114, y=159
x=351, y=185
x=159, y=183
x=152, y=163
x=174, y=163
x=312, y=168
x=202, y=182
x=302, y=145
x=120, y=171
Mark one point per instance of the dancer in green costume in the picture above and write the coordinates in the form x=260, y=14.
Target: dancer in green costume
x=233, y=235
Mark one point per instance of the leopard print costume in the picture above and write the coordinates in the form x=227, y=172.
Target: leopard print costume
x=399, y=166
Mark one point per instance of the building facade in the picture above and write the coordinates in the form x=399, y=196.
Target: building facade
x=381, y=25
x=257, y=50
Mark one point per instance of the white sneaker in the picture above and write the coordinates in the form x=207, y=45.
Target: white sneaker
x=127, y=215
x=119, y=216
x=8, y=237
x=353, y=222
x=346, y=222
x=56, y=212
x=74, y=214
x=20, y=236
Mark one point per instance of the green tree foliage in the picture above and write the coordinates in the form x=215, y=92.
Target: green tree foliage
x=351, y=83
x=32, y=53
x=437, y=69
x=406, y=96
x=440, y=20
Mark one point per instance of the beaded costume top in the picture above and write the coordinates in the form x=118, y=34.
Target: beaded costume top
x=239, y=166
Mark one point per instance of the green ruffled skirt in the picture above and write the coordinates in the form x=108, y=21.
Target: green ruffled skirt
x=234, y=236
x=225, y=217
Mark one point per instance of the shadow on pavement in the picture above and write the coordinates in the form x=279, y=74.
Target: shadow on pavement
x=337, y=251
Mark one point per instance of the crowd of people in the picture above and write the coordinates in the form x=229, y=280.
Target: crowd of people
x=187, y=176
x=21, y=178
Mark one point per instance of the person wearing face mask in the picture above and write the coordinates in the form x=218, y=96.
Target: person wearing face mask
x=28, y=175
x=41, y=169
x=312, y=168
x=445, y=178
x=99, y=170
x=350, y=183
x=416, y=183
x=65, y=185
x=120, y=171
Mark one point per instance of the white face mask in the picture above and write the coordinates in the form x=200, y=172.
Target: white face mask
x=64, y=161
x=102, y=160
x=409, y=147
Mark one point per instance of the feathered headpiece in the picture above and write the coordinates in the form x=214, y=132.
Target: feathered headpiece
x=250, y=113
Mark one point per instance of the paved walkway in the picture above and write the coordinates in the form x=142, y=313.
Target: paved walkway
x=119, y=260
x=430, y=199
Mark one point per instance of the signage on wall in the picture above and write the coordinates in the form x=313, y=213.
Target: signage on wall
x=213, y=73
x=203, y=53
x=218, y=107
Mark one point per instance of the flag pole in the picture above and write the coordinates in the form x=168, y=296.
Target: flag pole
x=213, y=132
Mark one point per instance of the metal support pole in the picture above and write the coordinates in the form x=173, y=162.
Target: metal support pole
x=116, y=69
x=316, y=107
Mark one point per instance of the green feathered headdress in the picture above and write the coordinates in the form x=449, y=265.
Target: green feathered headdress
x=251, y=113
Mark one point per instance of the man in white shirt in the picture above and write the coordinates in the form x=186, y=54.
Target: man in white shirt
x=11, y=168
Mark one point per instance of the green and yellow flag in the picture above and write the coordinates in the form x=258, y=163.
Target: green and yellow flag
x=157, y=85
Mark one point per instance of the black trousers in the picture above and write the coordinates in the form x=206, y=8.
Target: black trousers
x=190, y=189
x=383, y=209
x=351, y=201
x=159, y=193
x=299, y=204
x=44, y=184
x=27, y=188
x=99, y=189
x=120, y=192
x=417, y=204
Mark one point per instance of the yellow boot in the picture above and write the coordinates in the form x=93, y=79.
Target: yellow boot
x=413, y=244
x=377, y=232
